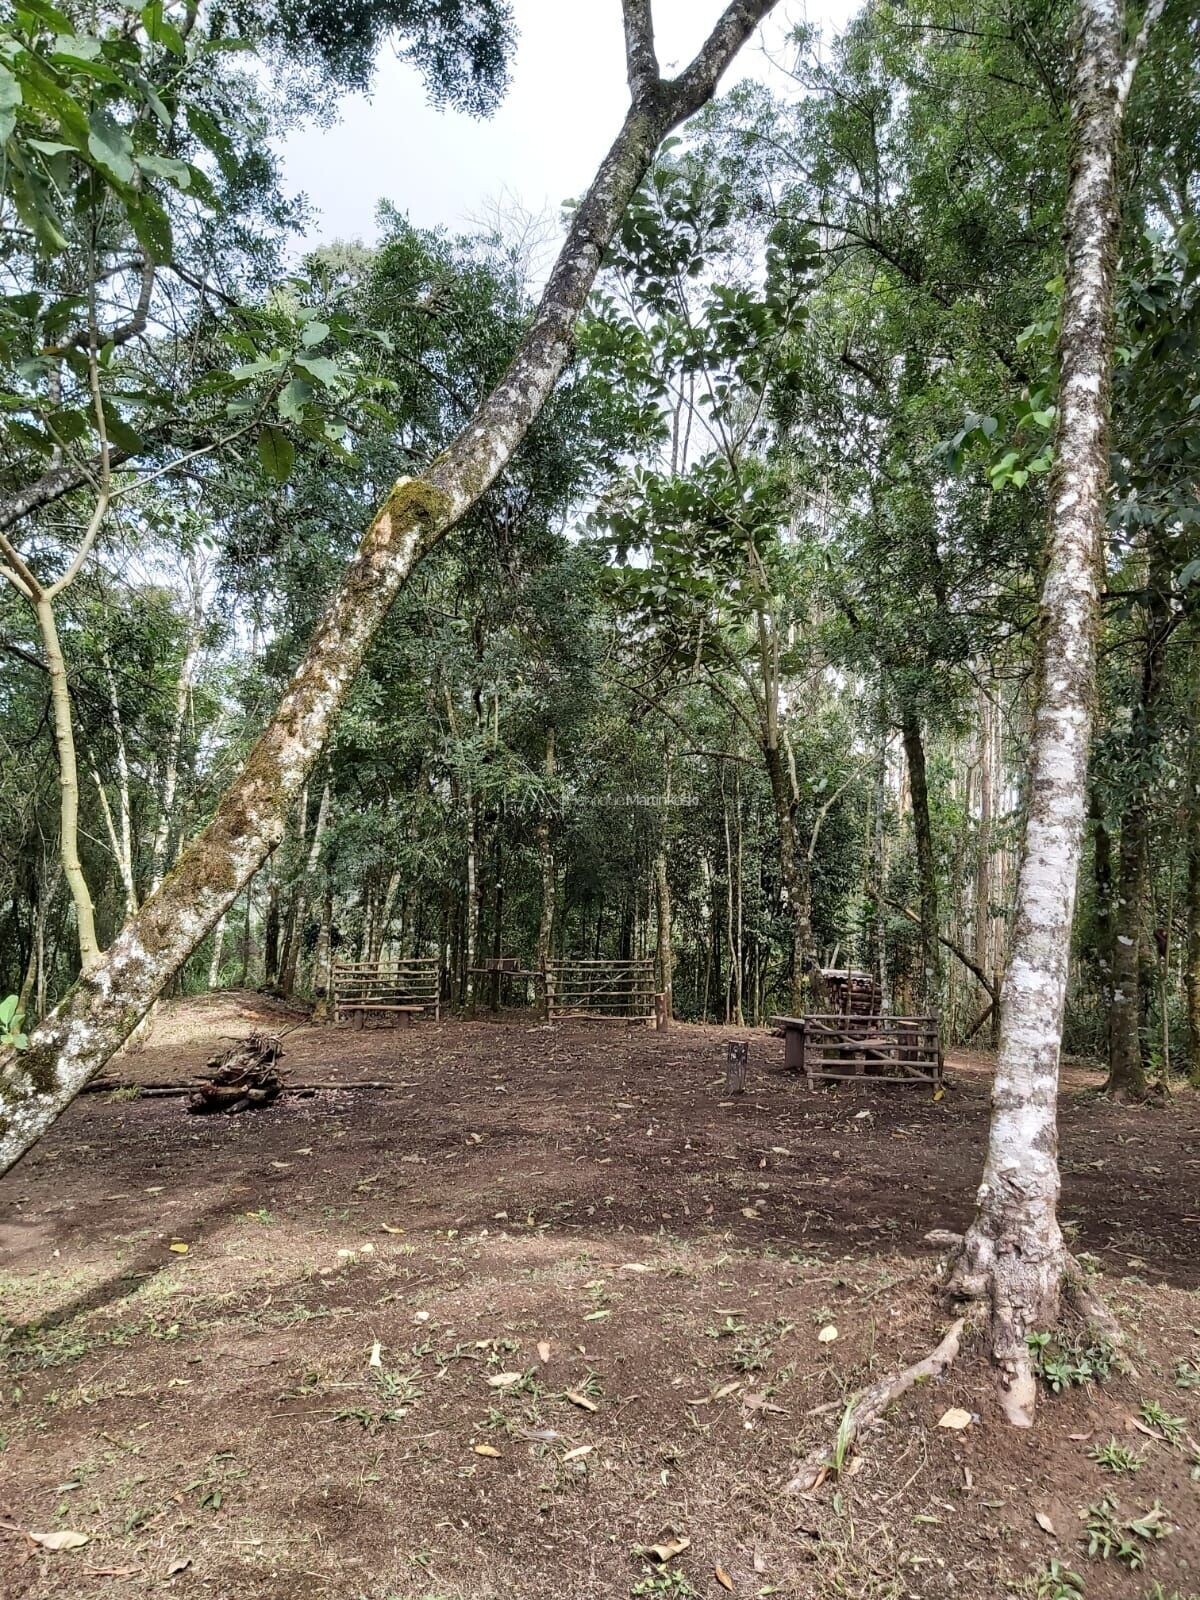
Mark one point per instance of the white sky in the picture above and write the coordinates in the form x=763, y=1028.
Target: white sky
x=562, y=110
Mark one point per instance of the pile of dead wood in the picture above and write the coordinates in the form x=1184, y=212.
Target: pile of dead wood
x=242, y=1078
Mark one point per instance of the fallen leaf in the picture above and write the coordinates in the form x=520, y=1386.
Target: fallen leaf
x=579, y=1452
x=725, y=1389
x=504, y=1380
x=827, y=1334
x=669, y=1549
x=1043, y=1522
x=180, y=1564
x=751, y=1214
x=376, y=1355
x=487, y=1450
x=60, y=1539
x=543, y=1351
x=723, y=1578
x=580, y=1400
x=179, y=1249
x=387, y=1228
x=636, y=1266
x=955, y=1418
x=759, y=1564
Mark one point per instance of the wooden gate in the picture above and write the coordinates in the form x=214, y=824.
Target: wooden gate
x=600, y=990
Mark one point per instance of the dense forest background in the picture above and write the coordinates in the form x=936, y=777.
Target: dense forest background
x=733, y=667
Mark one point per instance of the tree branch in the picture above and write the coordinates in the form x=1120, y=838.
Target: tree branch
x=641, y=62
x=972, y=967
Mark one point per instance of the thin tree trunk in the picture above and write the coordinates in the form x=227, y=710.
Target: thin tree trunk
x=929, y=984
x=1192, y=970
x=124, y=806
x=1127, y=1052
x=85, y=1030
x=68, y=785
x=183, y=689
x=1014, y=1254
x=549, y=877
x=291, y=960
x=271, y=934
x=218, y=947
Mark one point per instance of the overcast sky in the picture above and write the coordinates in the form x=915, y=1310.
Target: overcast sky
x=562, y=110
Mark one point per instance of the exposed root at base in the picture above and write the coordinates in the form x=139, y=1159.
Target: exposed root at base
x=870, y=1405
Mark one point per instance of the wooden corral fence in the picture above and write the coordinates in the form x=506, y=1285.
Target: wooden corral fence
x=601, y=990
x=834, y=1047
x=406, y=988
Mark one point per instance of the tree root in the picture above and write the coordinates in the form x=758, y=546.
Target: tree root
x=869, y=1405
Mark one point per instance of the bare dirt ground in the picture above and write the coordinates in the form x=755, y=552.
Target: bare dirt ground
x=190, y=1309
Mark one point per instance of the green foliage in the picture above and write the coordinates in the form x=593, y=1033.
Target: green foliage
x=11, y=1017
x=1109, y=1536
x=1117, y=1457
x=1063, y=1362
x=1055, y=1581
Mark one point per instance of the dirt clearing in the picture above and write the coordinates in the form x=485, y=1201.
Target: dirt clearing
x=550, y=1301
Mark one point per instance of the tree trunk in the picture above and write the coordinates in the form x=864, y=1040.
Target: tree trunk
x=1130, y=998
x=879, y=874
x=549, y=877
x=1014, y=1253
x=793, y=877
x=68, y=785
x=299, y=908
x=271, y=934
x=98, y=1015
x=183, y=689
x=929, y=984
x=983, y=843
x=1192, y=973
x=214, y=966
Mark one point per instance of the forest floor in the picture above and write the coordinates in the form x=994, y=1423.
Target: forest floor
x=189, y=1308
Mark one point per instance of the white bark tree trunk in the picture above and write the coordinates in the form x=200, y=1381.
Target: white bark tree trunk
x=105, y=1006
x=1013, y=1253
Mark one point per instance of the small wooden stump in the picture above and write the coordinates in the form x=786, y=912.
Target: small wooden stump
x=737, y=1056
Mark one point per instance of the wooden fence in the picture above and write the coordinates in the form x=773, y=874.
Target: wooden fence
x=406, y=988
x=601, y=990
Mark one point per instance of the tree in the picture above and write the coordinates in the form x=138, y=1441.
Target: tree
x=72, y=1044
x=1013, y=1254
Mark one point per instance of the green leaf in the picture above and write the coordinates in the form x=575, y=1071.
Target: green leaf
x=319, y=367
x=160, y=30
x=293, y=398
x=176, y=172
x=110, y=146
x=277, y=453
x=76, y=47
x=315, y=332
x=151, y=225
x=10, y=99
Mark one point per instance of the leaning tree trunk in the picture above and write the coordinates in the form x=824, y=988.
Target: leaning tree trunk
x=105, y=1006
x=1014, y=1254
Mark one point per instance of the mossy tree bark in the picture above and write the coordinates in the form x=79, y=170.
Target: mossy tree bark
x=102, y=1010
x=1013, y=1255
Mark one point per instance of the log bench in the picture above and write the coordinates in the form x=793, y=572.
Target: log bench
x=835, y=1047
